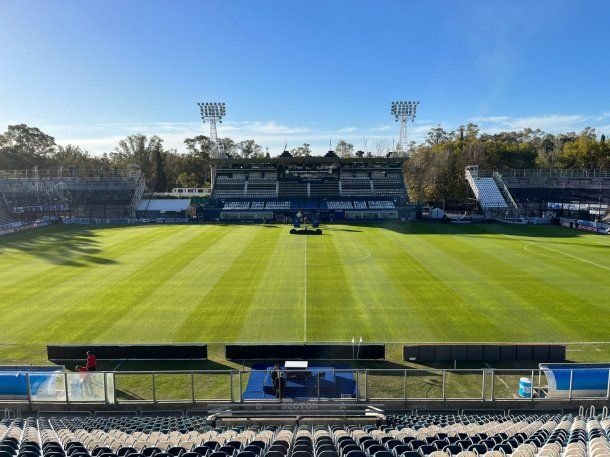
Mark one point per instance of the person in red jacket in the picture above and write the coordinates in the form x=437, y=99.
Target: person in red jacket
x=91, y=362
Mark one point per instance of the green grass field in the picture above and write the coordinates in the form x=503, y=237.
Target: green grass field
x=413, y=282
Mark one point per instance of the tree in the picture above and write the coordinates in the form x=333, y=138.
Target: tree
x=199, y=149
x=199, y=145
x=23, y=147
x=438, y=135
x=301, y=151
x=139, y=150
x=186, y=179
x=227, y=146
x=344, y=149
x=584, y=152
x=159, y=176
x=70, y=156
x=382, y=148
x=472, y=131
x=249, y=148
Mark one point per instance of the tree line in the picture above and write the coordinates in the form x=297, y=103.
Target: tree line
x=23, y=147
x=434, y=171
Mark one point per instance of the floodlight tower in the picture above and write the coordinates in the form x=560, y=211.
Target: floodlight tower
x=213, y=113
x=404, y=112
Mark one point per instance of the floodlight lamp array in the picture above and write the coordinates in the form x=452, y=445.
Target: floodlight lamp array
x=404, y=109
x=212, y=110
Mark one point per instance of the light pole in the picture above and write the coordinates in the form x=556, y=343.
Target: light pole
x=404, y=112
x=213, y=113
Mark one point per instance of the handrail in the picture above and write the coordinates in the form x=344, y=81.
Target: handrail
x=556, y=173
x=373, y=384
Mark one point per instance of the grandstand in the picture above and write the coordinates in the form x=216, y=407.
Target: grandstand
x=579, y=194
x=583, y=194
x=332, y=187
x=487, y=192
x=32, y=194
x=406, y=434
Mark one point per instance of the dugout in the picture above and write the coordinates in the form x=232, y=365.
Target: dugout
x=577, y=380
x=17, y=382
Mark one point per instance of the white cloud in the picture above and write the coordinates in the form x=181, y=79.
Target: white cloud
x=549, y=122
x=103, y=137
x=603, y=116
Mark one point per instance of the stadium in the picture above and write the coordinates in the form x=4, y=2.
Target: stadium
x=443, y=293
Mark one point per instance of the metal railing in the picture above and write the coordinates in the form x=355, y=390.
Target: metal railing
x=517, y=210
x=555, y=173
x=322, y=385
x=61, y=172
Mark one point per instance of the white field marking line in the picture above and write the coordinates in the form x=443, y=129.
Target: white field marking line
x=541, y=255
x=511, y=237
x=500, y=378
x=359, y=259
x=569, y=255
x=305, y=295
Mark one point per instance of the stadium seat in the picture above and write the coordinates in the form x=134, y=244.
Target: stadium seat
x=274, y=454
x=149, y=451
x=328, y=454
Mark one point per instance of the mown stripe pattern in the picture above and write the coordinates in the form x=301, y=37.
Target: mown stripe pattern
x=247, y=283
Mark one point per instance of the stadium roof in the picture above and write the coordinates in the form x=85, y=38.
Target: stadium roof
x=309, y=159
x=164, y=205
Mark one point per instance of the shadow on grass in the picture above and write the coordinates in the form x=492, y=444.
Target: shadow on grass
x=330, y=228
x=484, y=228
x=73, y=246
x=126, y=395
x=149, y=365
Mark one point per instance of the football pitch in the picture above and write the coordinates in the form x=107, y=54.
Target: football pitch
x=409, y=282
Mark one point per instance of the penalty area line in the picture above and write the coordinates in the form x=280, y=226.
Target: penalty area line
x=566, y=254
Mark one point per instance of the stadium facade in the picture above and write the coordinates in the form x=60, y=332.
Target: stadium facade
x=577, y=194
x=329, y=187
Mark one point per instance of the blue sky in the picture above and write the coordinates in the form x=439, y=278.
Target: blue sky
x=90, y=72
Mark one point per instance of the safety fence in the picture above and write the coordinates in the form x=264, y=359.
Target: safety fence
x=328, y=384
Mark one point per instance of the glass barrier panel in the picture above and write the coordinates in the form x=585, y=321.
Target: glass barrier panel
x=174, y=386
x=386, y=384
x=213, y=385
x=86, y=387
x=424, y=383
x=511, y=384
x=333, y=384
x=133, y=387
x=464, y=384
x=45, y=386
